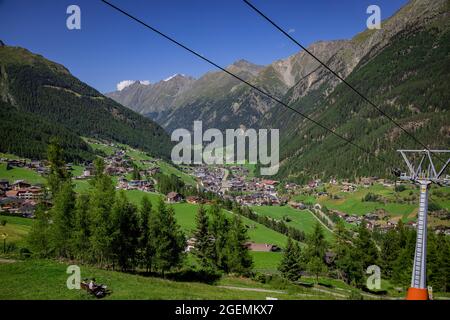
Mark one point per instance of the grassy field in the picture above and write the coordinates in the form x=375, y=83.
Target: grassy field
x=108, y=150
x=266, y=262
x=16, y=228
x=350, y=202
x=40, y=279
x=15, y=173
x=45, y=279
x=303, y=220
x=169, y=169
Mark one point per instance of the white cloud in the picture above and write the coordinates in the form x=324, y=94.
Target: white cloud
x=123, y=84
x=291, y=30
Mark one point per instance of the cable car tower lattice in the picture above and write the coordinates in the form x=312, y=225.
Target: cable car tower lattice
x=424, y=174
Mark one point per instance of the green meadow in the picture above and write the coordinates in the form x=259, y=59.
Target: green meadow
x=15, y=173
x=302, y=220
x=45, y=279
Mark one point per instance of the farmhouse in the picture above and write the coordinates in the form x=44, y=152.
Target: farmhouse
x=174, y=197
x=297, y=205
x=193, y=200
x=20, y=184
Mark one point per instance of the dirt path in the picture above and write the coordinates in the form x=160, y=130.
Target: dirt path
x=252, y=289
x=2, y=260
x=267, y=291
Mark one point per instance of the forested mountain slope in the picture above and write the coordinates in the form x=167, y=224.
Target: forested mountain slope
x=408, y=79
x=40, y=89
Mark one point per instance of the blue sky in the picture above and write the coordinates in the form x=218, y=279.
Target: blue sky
x=110, y=47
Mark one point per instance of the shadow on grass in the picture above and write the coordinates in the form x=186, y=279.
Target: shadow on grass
x=187, y=275
x=375, y=292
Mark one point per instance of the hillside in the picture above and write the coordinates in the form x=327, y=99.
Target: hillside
x=42, y=99
x=408, y=79
x=50, y=283
x=27, y=134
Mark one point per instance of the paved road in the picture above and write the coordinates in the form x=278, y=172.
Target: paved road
x=321, y=222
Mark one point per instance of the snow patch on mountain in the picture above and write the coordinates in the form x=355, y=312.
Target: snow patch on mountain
x=173, y=76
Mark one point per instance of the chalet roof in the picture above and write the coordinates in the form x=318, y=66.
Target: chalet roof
x=260, y=246
x=11, y=200
x=12, y=193
x=173, y=195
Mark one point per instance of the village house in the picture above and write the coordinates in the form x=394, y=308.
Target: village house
x=367, y=181
x=297, y=205
x=20, y=184
x=12, y=193
x=16, y=163
x=190, y=244
x=269, y=185
x=348, y=187
x=194, y=200
x=262, y=247
x=174, y=197
x=10, y=204
x=86, y=174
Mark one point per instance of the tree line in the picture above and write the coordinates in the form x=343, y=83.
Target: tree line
x=103, y=228
x=350, y=255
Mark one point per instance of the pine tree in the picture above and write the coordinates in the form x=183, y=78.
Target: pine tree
x=220, y=227
x=135, y=174
x=317, y=245
x=239, y=258
x=169, y=240
x=316, y=266
x=58, y=171
x=403, y=265
x=100, y=205
x=365, y=247
x=63, y=218
x=290, y=266
x=443, y=275
x=349, y=266
x=204, y=244
x=438, y=262
x=125, y=234
x=39, y=236
x=146, y=246
x=81, y=245
x=390, y=250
